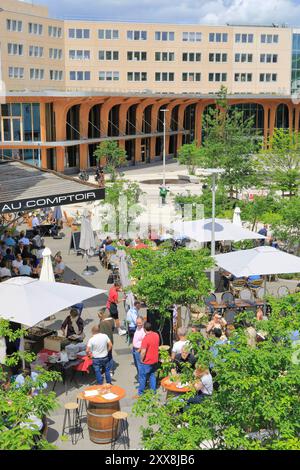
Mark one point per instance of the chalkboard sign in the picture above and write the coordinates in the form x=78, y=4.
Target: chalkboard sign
x=75, y=240
x=74, y=243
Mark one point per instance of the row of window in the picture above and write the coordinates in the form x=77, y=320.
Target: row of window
x=34, y=51
x=35, y=74
x=142, y=35
x=39, y=74
x=33, y=28
x=79, y=54
x=137, y=35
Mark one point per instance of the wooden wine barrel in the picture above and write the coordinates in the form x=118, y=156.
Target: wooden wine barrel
x=100, y=421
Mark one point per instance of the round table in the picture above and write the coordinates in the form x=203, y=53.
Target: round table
x=172, y=389
x=100, y=411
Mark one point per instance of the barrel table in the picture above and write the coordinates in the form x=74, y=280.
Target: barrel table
x=100, y=411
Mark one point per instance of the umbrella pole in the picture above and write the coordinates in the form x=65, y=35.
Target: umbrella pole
x=265, y=300
x=87, y=272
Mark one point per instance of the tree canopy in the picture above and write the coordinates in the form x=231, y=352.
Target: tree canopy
x=114, y=155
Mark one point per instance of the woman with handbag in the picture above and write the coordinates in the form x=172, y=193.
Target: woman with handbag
x=112, y=306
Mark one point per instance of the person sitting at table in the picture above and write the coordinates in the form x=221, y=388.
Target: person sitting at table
x=9, y=256
x=73, y=325
x=27, y=375
x=109, y=247
x=184, y=357
x=255, y=277
x=4, y=270
x=182, y=341
x=203, y=386
x=216, y=322
x=23, y=239
x=17, y=263
x=10, y=241
x=25, y=269
x=59, y=267
x=35, y=221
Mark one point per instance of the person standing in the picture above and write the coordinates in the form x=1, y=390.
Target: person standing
x=106, y=326
x=112, y=306
x=131, y=318
x=149, y=359
x=138, y=337
x=98, y=348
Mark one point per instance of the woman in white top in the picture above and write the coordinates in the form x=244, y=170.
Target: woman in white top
x=203, y=385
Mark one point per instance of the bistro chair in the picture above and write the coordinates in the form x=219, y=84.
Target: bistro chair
x=120, y=430
x=229, y=316
x=72, y=425
x=255, y=284
x=283, y=291
x=261, y=293
x=227, y=298
x=246, y=295
x=207, y=300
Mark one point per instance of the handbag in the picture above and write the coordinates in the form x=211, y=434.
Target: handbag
x=110, y=279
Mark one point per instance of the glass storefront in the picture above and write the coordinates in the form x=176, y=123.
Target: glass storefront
x=30, y=156
x=295, y=78
x=20, y=122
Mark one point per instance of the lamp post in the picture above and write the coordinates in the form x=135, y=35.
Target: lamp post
x=214, y=172
x=164, y=147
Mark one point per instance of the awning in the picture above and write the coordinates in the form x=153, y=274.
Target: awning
x=25, y=187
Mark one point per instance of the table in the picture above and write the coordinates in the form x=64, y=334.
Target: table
x=171, y=388
x=99, y=413
x=237, y=304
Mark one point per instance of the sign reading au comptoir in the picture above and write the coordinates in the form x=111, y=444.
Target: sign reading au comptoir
x=51, y=201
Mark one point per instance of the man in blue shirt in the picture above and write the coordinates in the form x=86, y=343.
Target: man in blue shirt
x=25, y=269
x=263, y=231
x=9, y=241
x=131, y=317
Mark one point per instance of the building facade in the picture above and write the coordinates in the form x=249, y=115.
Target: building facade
x=68, y=85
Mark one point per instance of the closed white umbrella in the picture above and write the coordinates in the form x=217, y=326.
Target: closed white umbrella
x=29, y=301
x=123, y=269
x=263, y=260
x=87, y=239
x=200, y=230
x=47, y=273
x=237, y=217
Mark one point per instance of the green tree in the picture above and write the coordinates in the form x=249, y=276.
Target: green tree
x=115, y=156
x=17, y=404
x=287, y=225
x=166, y=277
x=123, y=215
x=279, y=161
x=189, y=155
x=257, y=403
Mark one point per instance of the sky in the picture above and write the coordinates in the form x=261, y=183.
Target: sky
x=211, y=12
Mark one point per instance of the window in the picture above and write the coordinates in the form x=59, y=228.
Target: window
x=78, y=75
x=244, y=38
x=54, y=31
x=36, y=51
x=108, y=55
x=55, y=53
x=243, y=57
x=243, y=77
x=218, y=37
x=109, y=76
x=137, y=35
x=37, y=74
x=191, y=77
x=217, y=57
x=269, y=58
x=191, y=56
x=217, y=77
x=137, y=76
x=164, y=36
x=56, y=75
x=35, y=28
x=15, y=49
x=269, y=38
x=164, y=77
x=16, y=72
x=191, y=37
x=136, y=55
x=79, y=54
x=14, y=25
x=165, y=56
x=79, y=33
x=108, y=33
x=268, y=77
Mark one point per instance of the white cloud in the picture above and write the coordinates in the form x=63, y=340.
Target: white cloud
x=181, y=11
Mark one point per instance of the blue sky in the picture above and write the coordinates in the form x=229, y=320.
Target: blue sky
x=180, y=11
